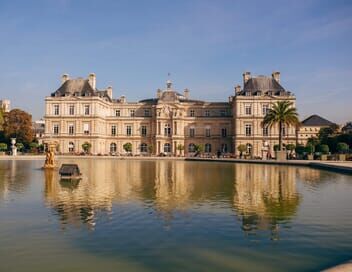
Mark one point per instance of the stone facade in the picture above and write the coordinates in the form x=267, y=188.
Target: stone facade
x=78, y=113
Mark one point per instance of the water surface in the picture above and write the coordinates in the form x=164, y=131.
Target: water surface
x=132, y=215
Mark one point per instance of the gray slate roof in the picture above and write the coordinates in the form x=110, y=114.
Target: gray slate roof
x=78, y=87
x=264, y=84
x=316, y=120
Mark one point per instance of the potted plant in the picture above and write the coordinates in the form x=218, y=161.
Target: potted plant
x=300, y=149
x=86, y=147
x=324, y=150
x=3, y=148
x=241, y=148
x=150, y=149
x=310, y=150
x=33, y=147
x=290, y=148
x=128, y=148
x=342, y=149
x=198, y=149
x=180, y=148
x=19, y=146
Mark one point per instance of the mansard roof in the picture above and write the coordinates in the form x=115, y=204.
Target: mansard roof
x=316, y=120
x=79, y=87
x=265, y=85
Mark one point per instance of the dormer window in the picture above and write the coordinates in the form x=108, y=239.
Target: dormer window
x=259, y=93
x=248, y=93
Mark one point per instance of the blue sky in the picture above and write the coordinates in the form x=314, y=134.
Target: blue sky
x=205, y=45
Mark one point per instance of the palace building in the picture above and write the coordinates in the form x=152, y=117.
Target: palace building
x=170, y=123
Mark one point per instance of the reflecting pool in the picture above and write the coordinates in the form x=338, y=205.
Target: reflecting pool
x=135, y=215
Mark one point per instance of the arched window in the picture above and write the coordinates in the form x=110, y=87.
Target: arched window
x=167, y=148
x=113, y=148
x=71, y=147
x=191, y=147
x=207, y=148
x=249, y=148
x=144, y=147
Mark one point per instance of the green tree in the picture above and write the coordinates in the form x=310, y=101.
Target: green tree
x=198, y=148
x=33, y=146
x=180, y=148
x=3, y=147
x=18, y=124
x=276, y=147
x=19, y=146
x=342, y=148
x=241, y=148
x=127, y=147
x=86, y=147
x=290, y=147
x=310, y=148
x=314, y=141
x=282, y=113
x=324, y=149
x=300, y=149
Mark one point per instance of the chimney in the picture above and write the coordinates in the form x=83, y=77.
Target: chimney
x=64, y=78
x=123, y=99
x=158, y=93
x=92, y=80
x=237, y=89
x=276, y=76
x=109, y=91
x=246, y=77
x=186, y=93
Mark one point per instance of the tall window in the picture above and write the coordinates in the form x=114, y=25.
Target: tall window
x=71, y=110
x=207, y=148
x=129, y=130
x=71, y=129
x=113, y=148
x=132, y=113
x=248, y=109
x=191, y=148
x=224, y=148
x=167, y=130
x=265, y=109
x=167, y=148
x=144, y=131
x=56, y=110
x=113, y=130
x=146, y=113
x=71, y=147
x=86, y=110
x=192, y=132
x=249, y=148
x=207, y=132
x=86, y=129
x=223, y=132
x=56, y=129
x=192, y=113
x=248, y=129
x=117, y=113
x=144, y=148
x=207, y=113
x=265, y=131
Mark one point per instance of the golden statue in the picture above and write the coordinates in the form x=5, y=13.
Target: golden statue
x=49, y=157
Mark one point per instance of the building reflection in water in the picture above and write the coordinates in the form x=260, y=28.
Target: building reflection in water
x=262, y=196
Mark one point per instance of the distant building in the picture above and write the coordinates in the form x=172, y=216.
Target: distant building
x=77, y=112
x=311, y=126
x=347, y=129
x=5, y=105
x=39, y=130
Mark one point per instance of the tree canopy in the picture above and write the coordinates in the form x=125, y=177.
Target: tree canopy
x=281, y=113
x=18, y=124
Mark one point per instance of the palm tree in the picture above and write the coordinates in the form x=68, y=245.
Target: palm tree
x=282, y=113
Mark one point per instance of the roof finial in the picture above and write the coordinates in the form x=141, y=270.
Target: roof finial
x=168, y=82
